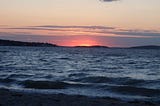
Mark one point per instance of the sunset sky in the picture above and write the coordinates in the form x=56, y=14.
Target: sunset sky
x=119, y=23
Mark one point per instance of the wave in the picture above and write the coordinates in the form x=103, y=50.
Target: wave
x=50, y=84
x=6, y=80
x=44, y=84
x=115, y=55
x=4, y=51
x=103, y=79
x=94, y=79
x=77, y=75
x=136, y=91
x=20, y=75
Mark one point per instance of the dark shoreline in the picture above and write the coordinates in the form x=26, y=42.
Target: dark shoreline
x=28, y=44
x=41, y=44
x=15, y=98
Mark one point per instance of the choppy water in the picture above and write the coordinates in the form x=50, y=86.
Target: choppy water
x=119, y=73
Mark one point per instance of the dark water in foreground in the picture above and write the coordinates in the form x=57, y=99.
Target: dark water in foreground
x=120, y=73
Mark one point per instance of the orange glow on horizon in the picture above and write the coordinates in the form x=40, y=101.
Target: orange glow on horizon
x=81, y=42
x=85, y=44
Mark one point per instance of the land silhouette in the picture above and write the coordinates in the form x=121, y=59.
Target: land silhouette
x=40, y=44
x=20, y=43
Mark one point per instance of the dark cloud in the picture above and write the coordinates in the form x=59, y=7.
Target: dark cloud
x=108, y=0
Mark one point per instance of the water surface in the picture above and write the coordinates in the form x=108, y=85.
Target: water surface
x=118, y=73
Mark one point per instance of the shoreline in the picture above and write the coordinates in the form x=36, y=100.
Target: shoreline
x=15, y=98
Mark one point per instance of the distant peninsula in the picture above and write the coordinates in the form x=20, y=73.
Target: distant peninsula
x=40, y=44
x=20, y=43
x=146, y=47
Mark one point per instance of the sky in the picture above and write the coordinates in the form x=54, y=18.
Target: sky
x=115, y=23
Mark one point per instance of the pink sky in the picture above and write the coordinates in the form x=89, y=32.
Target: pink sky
x=81, y=22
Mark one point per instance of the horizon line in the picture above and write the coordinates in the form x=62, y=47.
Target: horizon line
x=82, y=46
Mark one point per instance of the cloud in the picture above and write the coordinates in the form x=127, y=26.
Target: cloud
x=87, y=27
x=108, y=0
x=52, y=30
x=63, y=35
x=103, y=30
x=133, y=33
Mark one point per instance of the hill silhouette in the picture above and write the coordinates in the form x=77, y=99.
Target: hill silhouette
x=146, y=47
x=40, y=44
x=20, y=43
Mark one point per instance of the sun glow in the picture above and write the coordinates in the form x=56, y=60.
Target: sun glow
x=85, y=44
x=82, y=42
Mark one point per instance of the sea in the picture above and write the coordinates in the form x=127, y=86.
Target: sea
x=127, y=74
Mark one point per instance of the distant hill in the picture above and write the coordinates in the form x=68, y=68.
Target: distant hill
x=20, y=43
x=146, y=47
x=97, y=46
